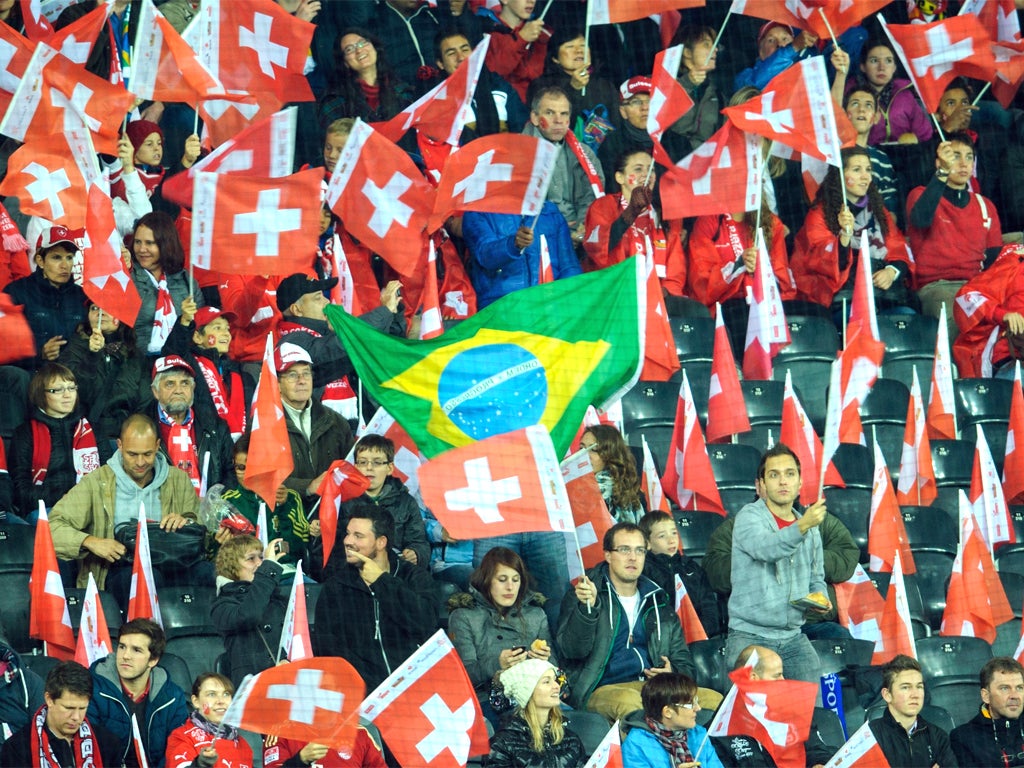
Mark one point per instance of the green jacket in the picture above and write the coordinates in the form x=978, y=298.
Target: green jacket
x=287, y=522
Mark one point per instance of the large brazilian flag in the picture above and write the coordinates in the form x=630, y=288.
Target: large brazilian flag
x=540, y=355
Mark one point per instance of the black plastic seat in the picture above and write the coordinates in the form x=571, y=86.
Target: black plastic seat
x=852, y=507
x=186, y=610
x=952, y=461
x=957, y=695
x=856, y=465
x=933, y=571
x=694, y=338
x=712, y=666
x=1007, y=638
x=17, y=545
x=763, y=400
x=980, y=400
x=14, y=611
x=813, y=345
x=931, y=529
x=680, y=306
x=1013, y=586
x=915, y=601
x=838, y=654
x=695, y=528
x=734, y=465
x=909, y=343
x=649, y=402
x=883, y=415
x=952, y=655
x=659, y=440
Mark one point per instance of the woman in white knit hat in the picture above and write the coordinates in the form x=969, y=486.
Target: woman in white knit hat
x=536, y=736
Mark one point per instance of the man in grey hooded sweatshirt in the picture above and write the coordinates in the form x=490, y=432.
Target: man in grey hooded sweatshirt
x=84, y=521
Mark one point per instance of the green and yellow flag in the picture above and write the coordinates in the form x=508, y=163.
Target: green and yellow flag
x=536, y=356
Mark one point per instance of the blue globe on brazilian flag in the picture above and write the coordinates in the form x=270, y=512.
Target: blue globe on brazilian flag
x=540, y=355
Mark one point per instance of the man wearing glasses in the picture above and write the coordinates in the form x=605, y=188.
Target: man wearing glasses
x=318, y=435
x=777, y=563
x=618, y=629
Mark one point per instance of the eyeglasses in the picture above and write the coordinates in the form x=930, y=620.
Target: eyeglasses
x=695, y=704
x=62, y=390
x=627, y=551
x=375, y=463
x=239, y=467
x=348, y=50
x=297, y=375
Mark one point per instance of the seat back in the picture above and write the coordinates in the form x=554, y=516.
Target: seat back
x=186, y=611
x=695, y=528
x=952, y=461
x=694, y=338
x=17, y=547
x=931, y=529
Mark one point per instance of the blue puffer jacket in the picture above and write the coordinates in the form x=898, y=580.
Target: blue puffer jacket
x=50, y=310
x=498, y=267
x=166, y=708
x=641, y=749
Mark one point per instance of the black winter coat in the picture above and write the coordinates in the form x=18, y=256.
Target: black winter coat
x=984, y=741
x=928, y=746
x=60, y=473
x=662, y=570
x=512, y=747
x=50, y=310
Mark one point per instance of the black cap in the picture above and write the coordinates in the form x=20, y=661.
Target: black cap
x=294, y=287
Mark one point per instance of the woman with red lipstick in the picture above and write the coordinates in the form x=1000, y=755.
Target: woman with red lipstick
x=203, y=741
x=499, y=623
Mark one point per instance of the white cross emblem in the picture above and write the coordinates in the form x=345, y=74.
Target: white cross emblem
x=450, y=729
x=48, y=186
x=217, y=108
x=267, y=222
x=239, y=160
x=702, y=184
x=77, y=105
x=757, y=705
x=305, y=696
x=781, y=121
x=483, y=494
x=475, y=184
x=183, y=441
x=388, y=208
x=76, y=50
x=942, y=54
x=8, y=80
x=258, y=38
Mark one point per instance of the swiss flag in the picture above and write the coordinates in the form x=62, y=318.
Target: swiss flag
x=309, y=700
x=501, y=173
x=430, y=308
x=895, y=627
x=722, y=175
x=941, y=419
x=342, y=482
x=975, y=599
x=427, y=711
x=295, y=642
x=917, y=476
x=56, y=95
x=833, y=418
x=669, y=100
x=860, y=607
x=653, y=491
x=441, y=112
x=508, y=483
x=688, y=479
x=225, y=118
x=250, y=226
x=775, y=712
x=37, y=24
x=344, y=293
x=407, y=456
x=142, y=601
x=990, y=509
x=886, y=532
x=93, y=634
x=77, y=39
x=265, y=149
x=15, y=54
x=807, y=14
x=862, y=750
x=48, y=618
x=270, y=454
x=589, y=513
x=999, y=18
x=693, y=630
x=1013, y=462
x=48, y=180
x=618, y=11
x=609, y=752
x=661, y=361
x=798, y=433
x=727, y=412
x=767, y=331
x=795, y=108
x=256, y=46
x=164, y=67
x=105, y=278
x=383, y=198
x=936, y=53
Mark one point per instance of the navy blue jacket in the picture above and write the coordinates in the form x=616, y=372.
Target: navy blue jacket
x=50, y=310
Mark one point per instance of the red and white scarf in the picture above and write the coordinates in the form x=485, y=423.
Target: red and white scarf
x=164, y=316
x=230, y=405
x=85, y=454
x=84, y=748
x=180, y=443
x=588, y=165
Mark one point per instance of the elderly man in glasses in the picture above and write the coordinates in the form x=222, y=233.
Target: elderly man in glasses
x=618, y=629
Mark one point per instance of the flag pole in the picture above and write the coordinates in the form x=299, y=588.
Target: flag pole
x=545, y=11
x=831, y=33
x=718, y=37
x=315, y=507
x=579, y=554
x=195, y=120
x=586, y=41
x=980, y=94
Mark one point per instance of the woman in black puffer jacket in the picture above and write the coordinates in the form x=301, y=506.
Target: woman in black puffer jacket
x=248, y=612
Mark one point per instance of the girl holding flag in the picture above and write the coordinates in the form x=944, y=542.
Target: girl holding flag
x=203, y=742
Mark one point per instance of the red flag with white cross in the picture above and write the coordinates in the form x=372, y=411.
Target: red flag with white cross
x=243, y=225
x=105, y=278
x=669, y=100
x=15, y=54
x=688, y=479
x=508, y=483
x=382, y=197
x=143, y=602
x=342, y=482
x=270, y=455
x=427, y=711
x=48, y=618
x=589, y=512
x=310, y=700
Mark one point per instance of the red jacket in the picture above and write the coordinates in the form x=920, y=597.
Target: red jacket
x=365, y=754
x=516, y=60
x=184, y=744
x=815, y=259
x=668, y=249
x=980, y=308
x=711, y=252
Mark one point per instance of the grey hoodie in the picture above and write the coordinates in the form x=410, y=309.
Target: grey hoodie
x=130, y=495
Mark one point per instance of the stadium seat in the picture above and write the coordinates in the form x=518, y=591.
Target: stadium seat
x=680, y=306
x=980, y=400
x=936, y=715
x=883, y=415
x=852, y=507
x=909, y=342
x=111, y=611
x=952, y=461
x=931, y=529
x=17, y=543
x=190, y=633
x=695, y=528
x=649, y=402
x=829, y=728
x=915, y=601
x=14, y=611
x=933, y=570
x=958, y=696
x=856, y=464
x=814, y=343
x=712, y=667
x=734, y=465
x=763, y=399
x=39, y=663
x=1007, y=638
x=1013, y=586
x=1010, y=558
x=952, y=655
x=837, y=654
x=659, y=440
x=590, y=727
x=177, y=670
x=694, y=337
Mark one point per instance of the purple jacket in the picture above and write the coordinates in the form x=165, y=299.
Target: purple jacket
x=904, y=115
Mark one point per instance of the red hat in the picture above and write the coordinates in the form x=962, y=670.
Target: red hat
x=59, y=234
x=206, y=315
x=288, y=354
x=138, y=130
x=635, y=85
x=768, y=27
x=169, y=363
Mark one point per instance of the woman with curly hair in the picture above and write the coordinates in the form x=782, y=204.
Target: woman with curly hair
x=616, y=473
x=827, y=246
x=158, y=271
x=366, y=86
x=499, y=623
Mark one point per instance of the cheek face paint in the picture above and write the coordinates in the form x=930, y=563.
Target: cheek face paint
x=207, y=709
x=631, y=180
x=211, y=340
x=544, y=123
